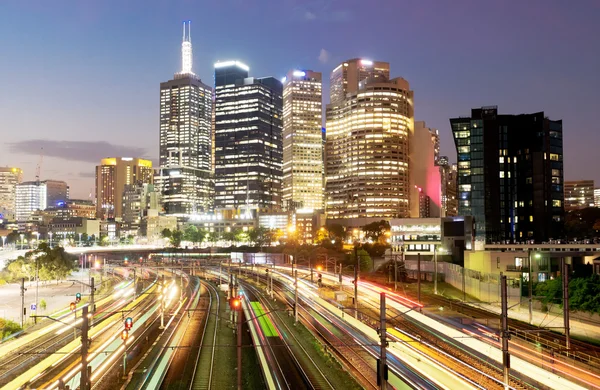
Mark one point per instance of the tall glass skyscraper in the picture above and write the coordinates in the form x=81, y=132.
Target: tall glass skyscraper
x=184, y=179
x=510, y=175
x=369, y=122
x=248, y=139
x=302, y=140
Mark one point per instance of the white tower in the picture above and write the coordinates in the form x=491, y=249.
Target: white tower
x=186, y=49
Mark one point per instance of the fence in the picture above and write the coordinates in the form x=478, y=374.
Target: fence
x=482, y=286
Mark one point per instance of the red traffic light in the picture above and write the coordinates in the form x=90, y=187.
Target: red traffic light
x=128, y=323
x=77, y=297
x=73, y=306
x=124, y=334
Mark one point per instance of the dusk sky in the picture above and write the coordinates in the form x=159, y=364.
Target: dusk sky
x=81, y=78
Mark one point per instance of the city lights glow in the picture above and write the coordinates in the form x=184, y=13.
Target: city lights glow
x=232, y=63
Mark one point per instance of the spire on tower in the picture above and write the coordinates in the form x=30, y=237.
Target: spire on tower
x=186, y=48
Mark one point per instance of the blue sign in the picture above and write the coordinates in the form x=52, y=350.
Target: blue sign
x=33, y=307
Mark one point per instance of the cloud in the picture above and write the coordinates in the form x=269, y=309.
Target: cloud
x=309, y=15
x=324, y=56
x=87, y=174
x=86, y=151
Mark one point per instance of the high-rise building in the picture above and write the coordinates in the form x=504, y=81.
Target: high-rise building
x=35, y=195
x=510, y=175
x=248, y=139
x=579, y=194
x=369, y=122
x=185, y=178
x=347, y=76
x=9, y=178
x=137, y=200
x=302, y=140
x=448, y=174
x=424, y=174
x=597, y=197
x=112, y=175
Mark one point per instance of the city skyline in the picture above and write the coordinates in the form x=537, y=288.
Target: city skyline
x=93, y=41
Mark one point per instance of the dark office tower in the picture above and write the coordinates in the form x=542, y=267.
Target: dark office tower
x=248, y=139
x=510, y=175
x=184, y=179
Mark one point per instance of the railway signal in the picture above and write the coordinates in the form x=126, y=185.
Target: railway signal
x=124, y=334
x=77, y=297
x=128, y=323
x=72, y=306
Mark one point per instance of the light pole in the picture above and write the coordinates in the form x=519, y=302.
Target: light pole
x=50, y=235
x=3, y=241
x=22, y=236
x=79, y=239
x=37, y=239
x=530, y=282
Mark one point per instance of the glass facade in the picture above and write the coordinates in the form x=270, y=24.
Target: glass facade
x=509, y=175
x=248, y=139
x=9, y=178
x=367, y=154
x=302, y=141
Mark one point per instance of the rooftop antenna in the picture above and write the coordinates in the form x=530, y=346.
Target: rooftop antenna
x=39, y=167
x=186, y=48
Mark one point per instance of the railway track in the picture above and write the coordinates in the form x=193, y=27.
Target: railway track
x=202, y=377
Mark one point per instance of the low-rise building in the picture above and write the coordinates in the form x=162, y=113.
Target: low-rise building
x=153, y=224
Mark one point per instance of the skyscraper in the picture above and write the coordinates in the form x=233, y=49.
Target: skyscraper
x=248, y=139
x=302, y=140
x=448, y=174
x=112, y=175
x=369, y=122
x=184, y=178
x=424, y=174
x=35, y=195
x=9, y=178
x=510, y=175
x=579, y=194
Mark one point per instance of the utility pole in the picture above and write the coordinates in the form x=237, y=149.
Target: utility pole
x=239, y=347
x=419, y=277
x=92, y=290
x=435, y=270
x=382, y=367
x=395, y=272
x=565, y=285
x=530, y=286
x=356, y=268
x=296, y=296
x=340, y=276
x=23, y=289
x=84, y=378
x=37, y=284
x=271, y=280
x=504, y=331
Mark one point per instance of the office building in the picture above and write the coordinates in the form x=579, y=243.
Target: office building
x=425, y=181
x=346, y=77
x=137, y=200
x=248, y=139
x=184, y=179
x=597, y=197
x=9, y=178
x=302, y=140
x=510, y=175
x=448, y=175
x=112, y=175
x=32, y=196
x=367, y=149
x=579, y=194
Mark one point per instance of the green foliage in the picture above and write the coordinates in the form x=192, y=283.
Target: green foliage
x=261, y=236
x=337, y=231
x=176, y=237
x=213, y=237
x=165, y=233
x=366, y=263
x=52, y=264
x=192, y=234
x=376, y=230
x=8, y=328
x=376, y=249
x=584, y=293
x=43, y=304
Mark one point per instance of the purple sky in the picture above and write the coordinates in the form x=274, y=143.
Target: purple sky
x=81, y=78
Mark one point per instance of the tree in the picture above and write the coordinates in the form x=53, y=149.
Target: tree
x=175, y=238
x=366, y=263
x=260, y=236
x=190, y=233
x=213, y=237
x=376, y=230
x=166, y=233
x=337, y=231
x=322, y=235
x=43, y=305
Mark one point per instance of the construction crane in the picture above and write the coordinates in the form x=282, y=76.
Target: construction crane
x=39, y=167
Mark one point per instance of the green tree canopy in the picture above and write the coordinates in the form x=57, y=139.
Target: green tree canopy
x=176, y=238
x=376, y=230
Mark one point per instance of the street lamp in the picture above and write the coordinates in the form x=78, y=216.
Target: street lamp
x=79, y=239
x=50, y=235
x=3, y=241
x=37, y=239
x=22, y=236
